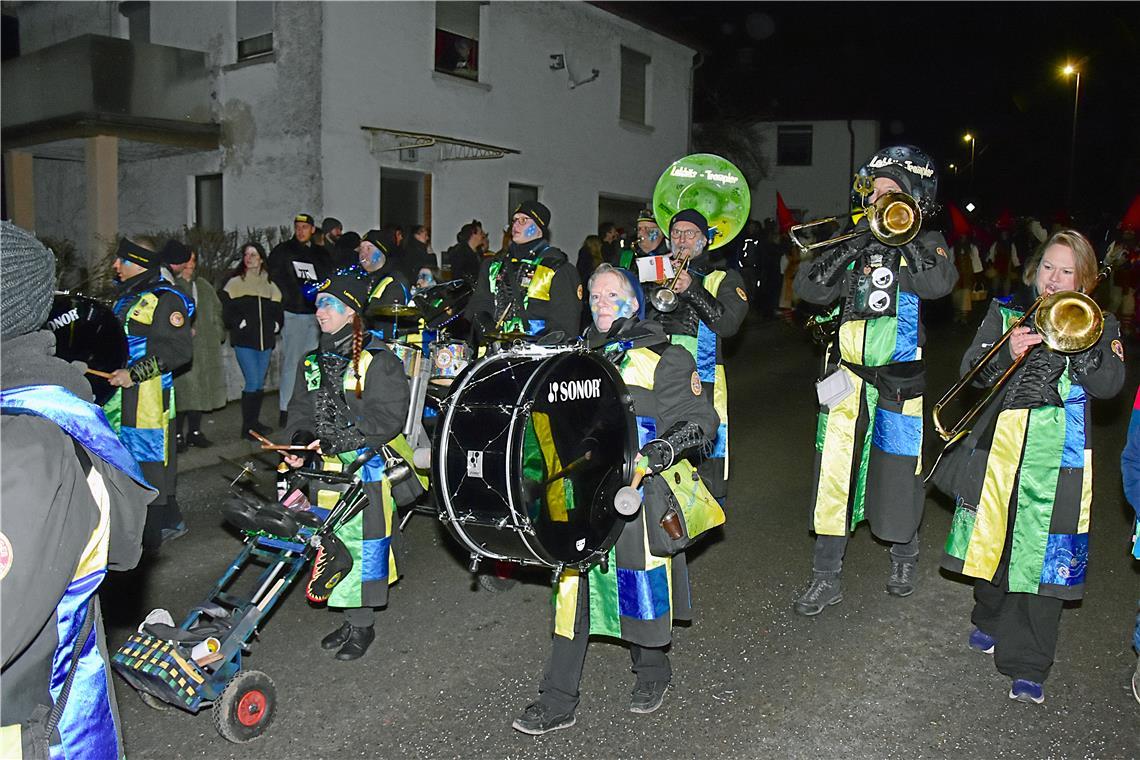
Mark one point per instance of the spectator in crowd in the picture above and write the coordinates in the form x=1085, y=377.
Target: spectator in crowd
x=201, y=386
x=611, y=251
x=466, y=255
x=251, y=310
x=590, y=257
x=416, y=256
x=332, y=230
x=296, y=266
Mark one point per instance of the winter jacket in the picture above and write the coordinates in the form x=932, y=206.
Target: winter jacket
x=252, y=311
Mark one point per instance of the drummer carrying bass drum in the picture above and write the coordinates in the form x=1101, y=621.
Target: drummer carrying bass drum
x=351, y=395
x=637, y=594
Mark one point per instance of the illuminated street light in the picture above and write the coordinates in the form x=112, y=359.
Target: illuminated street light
x=1071, y=70
x=971, y=138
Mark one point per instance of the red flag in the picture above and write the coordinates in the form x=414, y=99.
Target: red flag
x=783, y=215
x=1131, y=220
x=959, y=224
x=1005, y=220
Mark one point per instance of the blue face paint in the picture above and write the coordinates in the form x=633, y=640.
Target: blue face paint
x=622, y=308
x=331, y=303
x=377, y=257
x=653, y=235
x=531, y=229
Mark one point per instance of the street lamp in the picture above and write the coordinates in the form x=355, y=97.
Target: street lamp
x=973, y=140
x=1070, y=70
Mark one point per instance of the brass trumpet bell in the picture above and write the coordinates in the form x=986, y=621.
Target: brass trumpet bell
x=1069, y=322
x=894, y=219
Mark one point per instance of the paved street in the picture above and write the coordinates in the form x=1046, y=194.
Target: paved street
x=874, y=677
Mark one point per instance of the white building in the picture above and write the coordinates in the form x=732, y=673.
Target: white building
x=811, y=164
x=121, y=117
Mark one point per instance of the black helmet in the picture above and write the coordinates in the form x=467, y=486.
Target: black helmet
x=908, y=166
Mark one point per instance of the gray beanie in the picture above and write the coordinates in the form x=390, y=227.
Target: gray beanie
x=27, y=279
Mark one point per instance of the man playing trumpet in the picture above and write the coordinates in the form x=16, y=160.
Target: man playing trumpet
x=870, y=426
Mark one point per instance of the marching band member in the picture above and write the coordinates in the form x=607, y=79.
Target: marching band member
x=532, y=287
x=870, y=434
x=642, y=589
x=650, y=240
x=351, y=395
x=1023, y=490
x=711, y=307
x=156, y=318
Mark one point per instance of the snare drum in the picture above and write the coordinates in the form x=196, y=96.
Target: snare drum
x=88, y=331
x=532, y=446
x=447, y=361
x=406, y=353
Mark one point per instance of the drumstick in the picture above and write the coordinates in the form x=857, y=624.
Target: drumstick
x=98, y=373
x=269, y=445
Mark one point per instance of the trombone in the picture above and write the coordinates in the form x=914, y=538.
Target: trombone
x=664, y=299
x=1069, y=322
x=894, y=218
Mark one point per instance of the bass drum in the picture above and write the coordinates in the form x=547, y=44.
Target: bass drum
x=532, y=447
x=88, y=331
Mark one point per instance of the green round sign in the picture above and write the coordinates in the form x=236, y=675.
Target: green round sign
x=709, y=184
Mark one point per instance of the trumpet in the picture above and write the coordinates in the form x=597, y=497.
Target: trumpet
x=894, y=219
x=1069, y=322
x=664, y=299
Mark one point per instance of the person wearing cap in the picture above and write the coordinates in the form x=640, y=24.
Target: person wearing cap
x=296, y=267
x=351, y=396
x=711, y=306
x=156, y=317
x=387, y=283
x=72, y=507
x=869, y=440
x=650, y=241
x=531, y=287
x=669, y=399
x=463, y=258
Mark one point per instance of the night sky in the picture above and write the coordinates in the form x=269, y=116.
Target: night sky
x=929, y=72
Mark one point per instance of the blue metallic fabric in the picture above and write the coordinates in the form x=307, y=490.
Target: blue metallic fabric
x=643, y=594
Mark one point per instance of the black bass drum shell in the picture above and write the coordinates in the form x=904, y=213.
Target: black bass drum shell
x=88, y=331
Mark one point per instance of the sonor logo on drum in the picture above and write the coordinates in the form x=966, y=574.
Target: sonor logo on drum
x=573, y=390
x=64, y=319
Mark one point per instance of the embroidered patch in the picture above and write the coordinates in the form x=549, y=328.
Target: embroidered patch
x=5, y=555
x=177, y=319
x=312, y=375
x=579, y=291
x=1118, y=349
x=695, y=384
x=740, y=292
x=941, y=251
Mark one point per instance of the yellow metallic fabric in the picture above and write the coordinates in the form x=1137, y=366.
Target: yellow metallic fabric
x=830, y=516
x=988, y=537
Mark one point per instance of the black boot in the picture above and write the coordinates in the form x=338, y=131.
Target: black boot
x=179, y=436
x=247, y=414
x=255, y=414
x=359, y=639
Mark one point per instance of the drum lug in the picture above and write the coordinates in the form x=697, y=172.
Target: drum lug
x=474, y=566
x=557, y=574
x=605, y=563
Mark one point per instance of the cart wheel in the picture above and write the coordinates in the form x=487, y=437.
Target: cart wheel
x=154, y=702
x=247, y=707
x=495, y=584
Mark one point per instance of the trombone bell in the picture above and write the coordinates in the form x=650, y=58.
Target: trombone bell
x=894, y=219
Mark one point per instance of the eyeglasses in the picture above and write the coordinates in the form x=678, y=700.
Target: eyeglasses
x=684, y=234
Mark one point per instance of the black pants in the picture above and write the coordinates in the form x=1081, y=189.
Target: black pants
x=829, y=550
x=559, y=688
x=1024, y=626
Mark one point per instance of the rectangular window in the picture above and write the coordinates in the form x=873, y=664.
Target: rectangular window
x=793, y=145
x=516, y=194
x=138, y=19
x=457, y=39
x=634, y=75
x=208, y=202
x=254, y=28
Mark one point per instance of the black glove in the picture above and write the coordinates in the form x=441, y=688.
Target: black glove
x=919, y=256
x=145, y=369
x=658, y=454
x=678, y=440
x=703, y=302
x=1085, y=363
x=828, y=267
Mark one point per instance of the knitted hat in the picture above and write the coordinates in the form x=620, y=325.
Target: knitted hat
x=693, y=216
x=133, y=252
x=174, y=253
x=330, y=223
x=536, y=211
x=349, y=287
x=27, y=278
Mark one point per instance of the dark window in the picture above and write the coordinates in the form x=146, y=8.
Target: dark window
x=254, y=28
x=138, y=19
x=634, y=75
x=10, y=48
x=793, y=145
x=516, y=194
x=457, y=39
x=208, y=202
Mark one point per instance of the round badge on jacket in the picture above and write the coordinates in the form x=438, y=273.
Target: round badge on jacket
x=177, y=319
x=5, y=555
x=740, y=292
x=695, y=384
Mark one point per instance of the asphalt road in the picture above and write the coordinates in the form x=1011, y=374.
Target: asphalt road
x=874, y=677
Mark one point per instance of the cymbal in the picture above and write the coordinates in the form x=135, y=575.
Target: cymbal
x=508, y=337
x=394, y=310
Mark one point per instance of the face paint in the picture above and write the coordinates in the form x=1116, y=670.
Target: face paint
x=653, y=235
x=622, y=308
x=531, y=229
x=332, y=303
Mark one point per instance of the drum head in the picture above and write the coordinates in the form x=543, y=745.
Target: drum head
x=89, y=332
x=573, y=447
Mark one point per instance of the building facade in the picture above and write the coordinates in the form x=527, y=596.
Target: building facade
x=239, y=114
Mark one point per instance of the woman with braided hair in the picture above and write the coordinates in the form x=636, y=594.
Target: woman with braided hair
x=351, y=395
